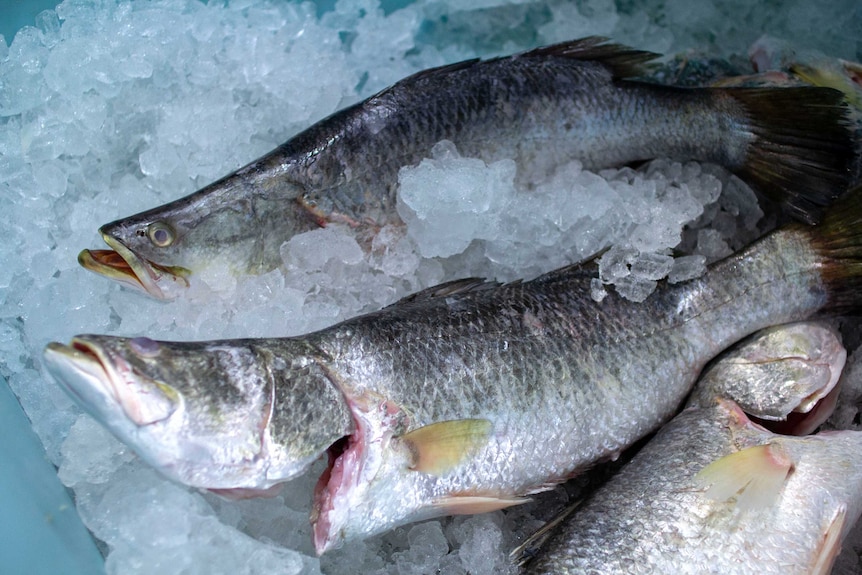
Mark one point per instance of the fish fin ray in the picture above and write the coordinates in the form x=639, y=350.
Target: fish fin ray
x=802, y=150
x=439, y=447
x=524, y=552
x=473, y=504
x=838, y=242
x=754, y=476
x=451, y=288
x=240, y=493
x=623, y=61
x=830, y=546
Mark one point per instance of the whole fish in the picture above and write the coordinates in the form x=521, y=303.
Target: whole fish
x=715, y=493
x=541, y=108
x=460, y=399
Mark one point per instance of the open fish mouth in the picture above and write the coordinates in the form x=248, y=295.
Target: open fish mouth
x=106, y=386
x=125, y=266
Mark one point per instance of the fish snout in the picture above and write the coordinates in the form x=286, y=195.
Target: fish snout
x=102, y=382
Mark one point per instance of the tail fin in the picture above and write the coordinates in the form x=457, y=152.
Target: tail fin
x=802, y=154
x=838, y=241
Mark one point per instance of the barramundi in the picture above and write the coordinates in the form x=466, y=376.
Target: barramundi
x=777, y=373
x=463, y=398
x=716, y=493
x=542, y=109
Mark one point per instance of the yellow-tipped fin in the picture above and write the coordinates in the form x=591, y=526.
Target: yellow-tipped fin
x=473, y=504
x=831, y=544
x=439, y=447
x=754, y=476
x=830, y=78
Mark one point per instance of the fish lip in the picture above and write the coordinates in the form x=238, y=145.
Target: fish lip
x=98, y=372
x=58, y=355
x=86, y=357
x=86, y=376
x=161, y=282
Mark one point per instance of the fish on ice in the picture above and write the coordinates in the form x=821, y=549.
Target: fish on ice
x=714, y=492
x=776, y=373
x=541, y=108
x=463, y=398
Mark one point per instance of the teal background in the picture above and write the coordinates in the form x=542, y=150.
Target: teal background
x=40, y=531
x=14, y=15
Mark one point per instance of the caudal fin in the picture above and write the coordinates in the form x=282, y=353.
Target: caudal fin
x=803, y=149
x=838, y=242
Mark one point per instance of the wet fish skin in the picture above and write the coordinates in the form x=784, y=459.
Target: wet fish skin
x=467, y=397
x=657, y=515
x=541, y=108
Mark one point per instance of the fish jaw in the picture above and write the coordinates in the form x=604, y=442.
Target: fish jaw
x=87, y=376
x=158, y=421
x=90, y=375
x=125, y=266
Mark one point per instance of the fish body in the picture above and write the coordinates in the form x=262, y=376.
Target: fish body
x=715, y=493
x=469, y=396
x=541, y=108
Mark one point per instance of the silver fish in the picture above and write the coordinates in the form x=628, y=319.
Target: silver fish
x=715, y=493
x=460, y=399
x=776, y=373
x=541, y=108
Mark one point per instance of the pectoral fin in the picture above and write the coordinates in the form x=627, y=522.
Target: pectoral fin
x=754, y=476
x=472, y=504
x=439, y=447
x=831, y=544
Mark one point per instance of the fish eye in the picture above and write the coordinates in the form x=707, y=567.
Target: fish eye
x=144, y=346
x=161, y=234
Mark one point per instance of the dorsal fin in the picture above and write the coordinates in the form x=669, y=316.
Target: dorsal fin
x=454, y=287
x=423, y=74
x=624, y=62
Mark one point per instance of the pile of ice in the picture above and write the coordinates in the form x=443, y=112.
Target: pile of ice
x=110, y=108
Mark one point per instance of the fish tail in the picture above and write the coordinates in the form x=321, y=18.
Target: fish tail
x=837, y=240
x=802, y=149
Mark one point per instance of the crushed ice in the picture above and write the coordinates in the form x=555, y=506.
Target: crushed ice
x=107, y=109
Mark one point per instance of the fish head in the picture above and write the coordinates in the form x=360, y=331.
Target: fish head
x=205, y=414
x=231, y=227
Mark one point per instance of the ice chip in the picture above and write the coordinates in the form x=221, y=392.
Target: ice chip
x=448, y=201
x=480, y=550
x=634, y=288
x=686, y=268
x=651, y=266
x=315, y=248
